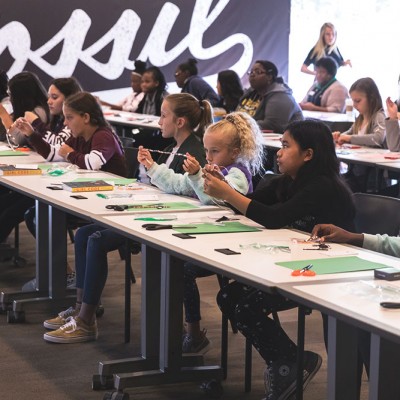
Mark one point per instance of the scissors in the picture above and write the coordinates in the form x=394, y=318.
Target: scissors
x=122, y=207
x=157, y=227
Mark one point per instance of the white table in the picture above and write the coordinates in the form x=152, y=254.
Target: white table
x=132, y=120
x=348, y=310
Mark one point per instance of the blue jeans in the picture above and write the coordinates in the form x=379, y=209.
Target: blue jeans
x=191, y=296
x=92, y=243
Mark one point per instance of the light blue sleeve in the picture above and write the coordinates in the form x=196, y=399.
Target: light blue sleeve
x=385, y=244
x=235, y=177
x=169, y=181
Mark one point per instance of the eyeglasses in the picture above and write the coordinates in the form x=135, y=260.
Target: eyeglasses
x=177, y=73
x=256, y=72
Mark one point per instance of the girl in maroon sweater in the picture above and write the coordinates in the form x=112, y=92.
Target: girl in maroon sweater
x=92, y=145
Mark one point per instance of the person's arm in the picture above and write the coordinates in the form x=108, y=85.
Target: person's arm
x=305, y=68
x=102, y=149
x=307, y=62
x=5, y=117
x=169, y=181
x=275, y=111
x=383, y=244
x=392, y=126
x=235, y=178
x=376, y=137
x=332, y=233
x=334, y=98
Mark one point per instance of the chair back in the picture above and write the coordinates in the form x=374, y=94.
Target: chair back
x=131, y=161
x=265, y=180
x=377, y=214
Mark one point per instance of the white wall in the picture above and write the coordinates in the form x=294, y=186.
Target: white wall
x=368, y=34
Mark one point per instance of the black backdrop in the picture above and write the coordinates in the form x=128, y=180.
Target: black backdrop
x=97, y=41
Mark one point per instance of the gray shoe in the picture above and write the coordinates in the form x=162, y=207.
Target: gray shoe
x=191, y=346
x=29, y=286
x=71, y=280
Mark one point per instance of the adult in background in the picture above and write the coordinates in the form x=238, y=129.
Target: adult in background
x=325, y=46
x=230, y=90
x=269, y=100
x=186, y=77
x=327, y=93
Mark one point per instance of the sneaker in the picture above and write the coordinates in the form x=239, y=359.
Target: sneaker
x=30, y=286
x=312, y=363
x=280, y=379
x=74, y=331
x=191, y=346
x=61, y=319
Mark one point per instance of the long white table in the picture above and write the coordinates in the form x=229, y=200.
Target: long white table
x=162, y=248
x=132, y=120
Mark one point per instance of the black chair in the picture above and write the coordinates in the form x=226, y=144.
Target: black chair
x=132, y=161
x=377, y=214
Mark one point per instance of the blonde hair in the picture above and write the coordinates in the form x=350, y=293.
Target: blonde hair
x=245, y=134
x=319, y=48
x=198, y=113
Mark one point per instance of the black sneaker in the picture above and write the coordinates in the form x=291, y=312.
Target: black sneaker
x=280, y=379
x=312, y=363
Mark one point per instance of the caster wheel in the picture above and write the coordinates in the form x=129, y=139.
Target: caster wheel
x=14, y=317
x=212, y=389
x=116, y=396
x=100, y=382
x=99, y=311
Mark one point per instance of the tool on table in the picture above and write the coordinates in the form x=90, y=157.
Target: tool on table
x=123, y=207
x=306, y=271
x=157, y=227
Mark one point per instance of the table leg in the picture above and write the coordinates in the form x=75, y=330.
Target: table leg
x=342, y=361
x=384, y=383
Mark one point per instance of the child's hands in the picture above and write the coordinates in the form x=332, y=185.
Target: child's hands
x=343, y=139
x=214, y=182
x=335, y=135
x=65, y=150
x=145, y=158
x=191, y=165
x=214, y=170
x=391, y=108
x=23, y=126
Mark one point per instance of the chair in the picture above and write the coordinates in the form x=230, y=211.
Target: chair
x=132, y=161
x=377, y=214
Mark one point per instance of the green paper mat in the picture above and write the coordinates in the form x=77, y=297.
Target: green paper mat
x=12, y=153
x=116, y=181
x=333, y=265
x=208, y=227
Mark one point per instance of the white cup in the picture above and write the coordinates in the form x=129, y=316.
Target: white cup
x=349, y=107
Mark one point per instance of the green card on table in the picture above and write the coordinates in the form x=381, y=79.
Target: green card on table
x=116, y=181
x=208, y=227
x=7, y=153
x=333, y=265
